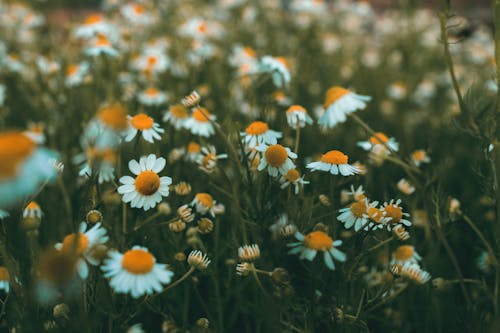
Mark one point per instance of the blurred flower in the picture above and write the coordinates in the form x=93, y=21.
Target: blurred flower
x=199, y=122
x=35, y=132
x=76, y=73
x=24, y=168
x=135, y=272
x=296, y=115
x=145, y=124
x=105, y=129
x=420, y=156
x=94, y=24
x=277, y=159
x=282, y=228
x=101, y=45
x=176, y=116
x=193, y=152
x=136, y=14
x=411, y=271
x=379, y=138
x=405, y=187
x=485, y=262
x=204, y=203
x=198, y=260
x=99, y=161
x=147, y=189
x=293, y=177
x=397, y=90
x=32, y=210
x=137, y=328
x=279, y=69
x=405, y=253
x=339, y=103
x=309, y=245
x=249, y=252
x=334, y=161
x=4, y=279
x=258, y=133
x=81, y=245
x=208, y=159
x=152, y=97
x=151, y=61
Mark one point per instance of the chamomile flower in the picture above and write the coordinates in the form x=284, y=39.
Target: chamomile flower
x=147, y=189
x=193, y=152
x=279, y=69
x=293, y=177
x=145, y=124
x=309, y=245
x=405, y=253
x=176, y=116
x=100, y=161
x=258, y=133
x=33, y=210
x=105, y=129
x=101, y=45
x=296, y=115
x=94, y=24
x=204, y=203
x=135, y=13
x=151, y=61
x=249, y=253
x=281, y=99
x=200, y=29
x=199, y=122
x=412, y=271
x=35, y=132
x=152, y=97
x=396, y=214
x=340, y=102
x=405, y=186
x=420, y=156
x=4, y=279
x=135, y=272
x=379, y=139
x=209, y=158
x=378, y=218
x=76, y=73
x=335, y=162
x=24, y=168
x=81, y=244
x=277, y=159
x=356, y=214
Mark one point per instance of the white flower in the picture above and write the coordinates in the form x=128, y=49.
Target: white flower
x=334, y=162
x=145, y=124
x=101, y=46
x=199, y=123
x=379, y=138
x=176, y=116
x=278, y=68
x=293, y=177
x=277, y=159
x=147, y=189
x=135, y=272
x=152, y=97
x=258, y=133
x=404, y=254
x=309, y=245
x=208, y=159
x=339, y=103
x=296, y=115
x=356, y=214
x=204, y=203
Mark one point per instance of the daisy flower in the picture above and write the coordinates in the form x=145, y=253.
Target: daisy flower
x=249, y=252
x=204, y=203
x=82, y=245
x=151, y=61
x=147, y=189
x=296, y=115
x=277, y=159
x=281, y=99
x=279, y=69
x=145, y=124
x=340, y=102
x=105, y=129
x=193, y=152
x=411, y=271
x=309, y=245
x=293, y=177
x=76, y=73
x=176, y=116
x=209, y=158
x=356, y=214
x=378, y=218
x=24, y=168
x=94, y=24
x=101, y=45
x=97, y=160
x=200, y=29
x=258, y=133
x=199, y=122
x=4, y=279
x=396, y=214
x=335, y=162
x=152, y=97
x=419, y=156
x=137, y=14
x=32, y=210
x=379, y=139
x=135, y=272
x=405, y=186
x=35, y=132
x=405, y=253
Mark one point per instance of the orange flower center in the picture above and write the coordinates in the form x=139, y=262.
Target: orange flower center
x=375, y=214
x=395, y=212
x=93, y=19
x=142, y=122
x=403, y=252
x=292, y=175
x=209, y=158
x=69, y=246
x=205, y=199
x=335, y=157
x=33, y=205
x=4, y=274
x=201, y=115
x=378, y=138
x=202, y=27
x=318, y=240
x=14, y=149
x=114, y=116
x=249, y=51
x=257, y=128
x=147, y=182
x=151, y=92
x=296, y=108
x=333, y=94
x=152, y=60
x=102, y=41
x=283, y=61
x=138, y=9
x=72, y=70
x=276, y=155
x=193, y=148
x=418, y=155
x=358, y=208
x=138, y=261
x=178, y=111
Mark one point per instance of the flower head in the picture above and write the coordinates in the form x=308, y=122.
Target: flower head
x=340, y=102
x=309, y=245
x=334, y=162
x=293, y=177
x=379, y=138
x=145, y=124
x=152, y=97
x=208, y=159
x=258, y=133
x=395, y=213
x=200, y=122
x=296, y=115
x=198, y=260
x=176, y=115
x=277, y=159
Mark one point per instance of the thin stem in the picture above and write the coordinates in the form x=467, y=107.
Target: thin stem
x=297, y=139
x=481, y=236
x=175, y=283
x=146, y=221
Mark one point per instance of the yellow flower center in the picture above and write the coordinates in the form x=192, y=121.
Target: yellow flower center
x=102, y=41
x=375, y=214
x=403, y=252
x=151, y=92
x=276, y=155
x=138, y=261
x=14, y=149
x=358, y=208
x=114, y=116
x=178, y=111
x=201, y=115
x=257, y=128
x=378, y=138
x=418, y=155
x=249, y=51
x=205, y=199
x=292, y=175
x=152, y=60
x=208, y=158
x=142, y=122
x=147, y=183
x=72, y=70
x=69, y=246
x=193, y=148
x=296, y=108
x=283, y=61
x=138, y=9
x=4, y=274
x=395, y=212
x=32, y=205
x=333, y=94
x=318, y=240
x=335, y=157
x=93, y=19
